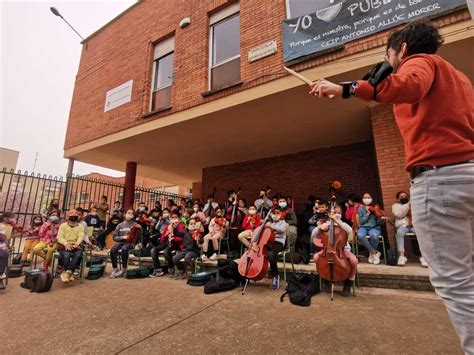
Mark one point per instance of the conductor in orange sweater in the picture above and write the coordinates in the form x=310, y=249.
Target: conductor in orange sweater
x=433, y=107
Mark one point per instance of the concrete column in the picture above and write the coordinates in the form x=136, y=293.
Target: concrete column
x=129, y=188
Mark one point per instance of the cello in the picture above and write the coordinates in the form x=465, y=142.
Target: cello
x=333, y=265
x=253, y=264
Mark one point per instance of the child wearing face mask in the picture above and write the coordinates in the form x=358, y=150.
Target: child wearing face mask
x=32, y=238
x=369, y=225
x=48, y=234
x=191, y=240
x=199, y=215
x=172, y=237
x=217, y=229
x=289, y=216
x=155, y=239
x=279, y=226
x=70, y=237
x=125, y=238
x=186, y=216
x=251, y=221
x=324, y=228
x=320, y=215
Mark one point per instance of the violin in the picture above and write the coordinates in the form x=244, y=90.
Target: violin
x=220, y=221
x=253, y=264
x=379, y=212
x=333, y=266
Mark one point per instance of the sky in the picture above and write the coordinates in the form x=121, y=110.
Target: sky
x=39, y=59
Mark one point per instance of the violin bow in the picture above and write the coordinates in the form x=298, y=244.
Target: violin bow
x=302, y=78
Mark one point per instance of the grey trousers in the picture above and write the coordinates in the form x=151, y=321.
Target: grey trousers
x=443, y=218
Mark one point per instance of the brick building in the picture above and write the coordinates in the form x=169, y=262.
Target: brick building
x=193, y=92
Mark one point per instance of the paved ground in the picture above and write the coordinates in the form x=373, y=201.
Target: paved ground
x=167, y=316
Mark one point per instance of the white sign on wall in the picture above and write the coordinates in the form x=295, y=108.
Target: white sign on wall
x=264, y=50
x=118, y=96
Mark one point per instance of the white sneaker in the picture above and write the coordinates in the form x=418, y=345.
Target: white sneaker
x=402, y=260
x=204, y=257
x=423, y=262
x=112, y=274
x=377, y=258
x=213, y=257
x=371, y=258
x=120, y=273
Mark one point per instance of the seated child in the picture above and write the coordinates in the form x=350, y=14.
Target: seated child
x=279, y=225
x=70, y=237
x=92, y=220
x=251, y=222
x=192, y=237
x=32, y=238
x=48, y=234
x=125, y=236
x=324, y=227
x=172, y=238
x=217, y=229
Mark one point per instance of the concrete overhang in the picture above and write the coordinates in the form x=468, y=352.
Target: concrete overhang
x=275, y=118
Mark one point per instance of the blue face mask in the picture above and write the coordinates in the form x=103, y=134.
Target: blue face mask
x=54, y=219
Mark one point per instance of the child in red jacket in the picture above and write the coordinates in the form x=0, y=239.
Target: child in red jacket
x=251, y=222
x=173, y=235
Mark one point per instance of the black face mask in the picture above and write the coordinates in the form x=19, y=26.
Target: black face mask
x=73, y=218
x=404, y=201
x=55, y=205
x=37, y=223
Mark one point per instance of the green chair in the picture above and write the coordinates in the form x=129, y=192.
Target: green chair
x=82, y=266
x=284, y=253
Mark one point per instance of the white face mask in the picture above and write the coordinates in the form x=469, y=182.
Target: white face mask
x=252, y=212
x=337, y=216
x=275, y=217
x=195, y=209
x=191, y=228
x=166, y=215
x=367, y=201
x=175, y=220
x=283, y=204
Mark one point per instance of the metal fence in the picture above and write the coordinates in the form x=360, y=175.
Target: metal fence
x=28, y=194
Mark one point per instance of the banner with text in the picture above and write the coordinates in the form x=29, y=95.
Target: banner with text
x=336, y=22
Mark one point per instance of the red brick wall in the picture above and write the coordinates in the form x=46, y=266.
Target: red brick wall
x=197, y=190
x=390, y=155
x=123, y=50
x=299, y=175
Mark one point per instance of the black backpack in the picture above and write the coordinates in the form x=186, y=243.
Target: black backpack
x=15, y=270
x=95, y=272
x=200, y=278
x=29, y=277
x=95, y=260
x=219, y=283
x=42, y=282
x=301, y=288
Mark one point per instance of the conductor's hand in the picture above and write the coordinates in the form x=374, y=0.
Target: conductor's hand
x=324, y=88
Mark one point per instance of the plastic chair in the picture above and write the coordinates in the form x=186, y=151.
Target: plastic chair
x=225, y=238
x=82, y=265
x=288, y=250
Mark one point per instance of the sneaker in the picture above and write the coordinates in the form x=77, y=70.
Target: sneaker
x=423, y=262
x=171, y=272
x=120, y=273
x=156, y=273
x=371, y=258
x=76, y=273
x=2, y=286
x=402, y=260
x=113, y=273
x=203, y=257
x=377, y=258
x=275, y=283
x=65, y=277
x=346, y=289
x=213, y=257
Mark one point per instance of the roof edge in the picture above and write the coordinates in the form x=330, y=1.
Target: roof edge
x=109, y=22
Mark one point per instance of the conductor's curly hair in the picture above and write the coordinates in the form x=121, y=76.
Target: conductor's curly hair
x=421, y=36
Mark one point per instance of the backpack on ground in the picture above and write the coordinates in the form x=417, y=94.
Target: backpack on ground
x=42, y=282
x=219, y=283
x=200, y=278
x=95, y=272
x=95, y=260
x=301, y=288
x=29, y=277
x=138, y=272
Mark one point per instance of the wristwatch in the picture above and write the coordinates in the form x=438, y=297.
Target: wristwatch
x=348, y=88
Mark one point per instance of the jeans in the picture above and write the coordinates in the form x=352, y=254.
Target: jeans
x=443, y=217
x=71, y=258
x=3, y=260
x=168, y=254
x=155, y=253
x=273, y=257
x=400, y=236
x=188, y=256
x=125, y=248
x=372, y=243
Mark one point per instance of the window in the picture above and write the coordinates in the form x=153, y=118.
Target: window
x=137, y=196
x=84, y=197
x=297, y=8
x=224, y=50
x=162, y=75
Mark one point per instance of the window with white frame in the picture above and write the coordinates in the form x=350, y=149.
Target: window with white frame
x=224, y=47
x=297, y=8
x=162, y=75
